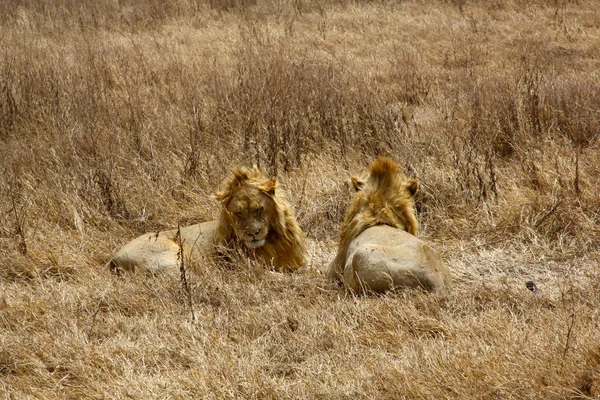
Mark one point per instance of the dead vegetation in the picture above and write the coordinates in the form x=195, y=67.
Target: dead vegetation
x=118, y=118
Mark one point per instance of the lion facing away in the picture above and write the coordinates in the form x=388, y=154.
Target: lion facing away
x=255, y=219
x=378, y=248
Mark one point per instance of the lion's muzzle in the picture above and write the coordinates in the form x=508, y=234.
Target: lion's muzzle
x=254, y=243
x=255, y=235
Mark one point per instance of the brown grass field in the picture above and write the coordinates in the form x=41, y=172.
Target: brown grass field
x=119, y=117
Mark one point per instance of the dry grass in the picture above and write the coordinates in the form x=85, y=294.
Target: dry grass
x=123, y=117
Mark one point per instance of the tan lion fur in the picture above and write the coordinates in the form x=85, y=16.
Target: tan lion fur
x=378, y=248
x=255, y=220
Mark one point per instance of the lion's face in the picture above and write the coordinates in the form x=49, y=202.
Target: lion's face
x=250, y=209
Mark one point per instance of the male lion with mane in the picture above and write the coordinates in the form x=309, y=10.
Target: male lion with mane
x=378, y=248
x=255, y=220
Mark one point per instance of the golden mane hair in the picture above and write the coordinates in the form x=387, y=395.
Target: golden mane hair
x=284, y=247
x=385, y=197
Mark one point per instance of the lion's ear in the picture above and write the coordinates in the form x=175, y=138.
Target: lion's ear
x=412, y=186
x=269, y=186
x=357, y=183
x=221, y=196
x=239, y=175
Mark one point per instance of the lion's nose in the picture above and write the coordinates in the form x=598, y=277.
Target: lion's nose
x=252, y=231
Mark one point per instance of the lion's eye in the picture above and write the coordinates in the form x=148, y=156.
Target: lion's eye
x=259, y=211
x=239, y=215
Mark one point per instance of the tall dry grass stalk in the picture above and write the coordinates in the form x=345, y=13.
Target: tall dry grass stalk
x=118, y=118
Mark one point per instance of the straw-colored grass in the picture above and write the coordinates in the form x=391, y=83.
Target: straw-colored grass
x=121, y=117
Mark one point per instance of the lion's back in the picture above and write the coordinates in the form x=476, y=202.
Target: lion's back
x=384, y=258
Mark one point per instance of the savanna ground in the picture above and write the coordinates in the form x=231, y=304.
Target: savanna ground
x=121, y=117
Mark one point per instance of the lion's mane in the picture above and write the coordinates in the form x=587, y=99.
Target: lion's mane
x=387, y=199
x=285, y=247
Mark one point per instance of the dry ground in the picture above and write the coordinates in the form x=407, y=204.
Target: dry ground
x=120, y=117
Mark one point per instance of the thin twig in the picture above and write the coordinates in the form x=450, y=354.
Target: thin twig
x=488, y=243
x=302, y=193
x=549, y=213
x=569, y=330
x=184, y=283
x=19, y=219
x=94, y=315
x=494, y=229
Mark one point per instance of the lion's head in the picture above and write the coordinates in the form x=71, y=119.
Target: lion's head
x=383, y=197
x=256, y=217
